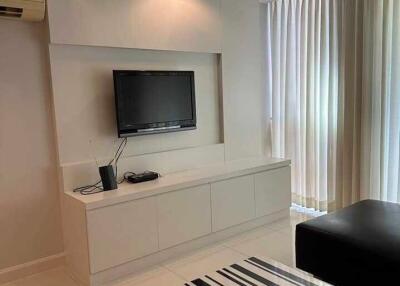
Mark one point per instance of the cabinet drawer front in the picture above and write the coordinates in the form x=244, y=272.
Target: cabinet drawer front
x=184, y=215
x=273, y=191
x=232, y=202
x=120, y=233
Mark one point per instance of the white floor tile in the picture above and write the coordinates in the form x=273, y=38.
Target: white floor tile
x=194, y=255
x=199, y=266
x=248, y=235
x=290, y=222
x=156, y=276
x=279, y=224
x=8, y=284
x=288, y=230
x=276, y=245
x=52, y=277
x=291, y=229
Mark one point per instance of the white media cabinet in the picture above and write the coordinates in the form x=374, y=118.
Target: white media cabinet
x=112, y=234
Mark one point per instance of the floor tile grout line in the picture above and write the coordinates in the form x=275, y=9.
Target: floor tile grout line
x=246, y=255
x=219, y=247
x=223, y=248
x=165, y=264
x=175, y=273
x=251, y=239
x=133, y=278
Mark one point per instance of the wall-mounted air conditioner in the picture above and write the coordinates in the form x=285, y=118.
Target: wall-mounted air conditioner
x=28, y=10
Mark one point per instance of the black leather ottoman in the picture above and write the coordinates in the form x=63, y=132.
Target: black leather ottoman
x=357, y=245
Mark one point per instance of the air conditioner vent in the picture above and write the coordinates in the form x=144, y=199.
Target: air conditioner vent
x=11, y=12
x=25, y=10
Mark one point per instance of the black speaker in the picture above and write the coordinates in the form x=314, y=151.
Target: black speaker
x=108, y=178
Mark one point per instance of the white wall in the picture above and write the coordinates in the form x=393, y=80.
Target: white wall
x=30, y=226
x=83, y=93
x=28, y=197
x=192, y=25
x=82, y=82
x=243, y=74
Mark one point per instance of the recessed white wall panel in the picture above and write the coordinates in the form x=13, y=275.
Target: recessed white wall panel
x=190, y=25
x=183, y=215
x=121, y=233
x=84, y=100
x=75, y=175
x=82, y=81
x=273, y=192
x=232, y=202
x=243, y=79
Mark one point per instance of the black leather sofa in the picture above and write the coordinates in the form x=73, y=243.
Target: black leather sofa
x=357, y=245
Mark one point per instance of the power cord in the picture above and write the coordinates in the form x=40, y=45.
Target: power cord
x=121, y=149
x=96, y=188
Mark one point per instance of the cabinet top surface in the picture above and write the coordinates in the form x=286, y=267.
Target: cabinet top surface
x=179, y=180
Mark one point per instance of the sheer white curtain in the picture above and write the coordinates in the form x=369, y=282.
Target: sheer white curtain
x=381, y=101
x=334, y=98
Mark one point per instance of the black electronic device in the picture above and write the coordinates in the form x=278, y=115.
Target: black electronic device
x=108, y=178
x=149, y=102
x=142, y=177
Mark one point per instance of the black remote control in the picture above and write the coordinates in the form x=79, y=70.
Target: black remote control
x=143, y=177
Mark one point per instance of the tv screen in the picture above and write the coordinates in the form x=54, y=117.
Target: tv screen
x=149, y=102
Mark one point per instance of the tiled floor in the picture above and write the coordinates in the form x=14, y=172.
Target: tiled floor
x=275, y=240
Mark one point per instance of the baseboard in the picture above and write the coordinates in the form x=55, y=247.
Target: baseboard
x=32, y=267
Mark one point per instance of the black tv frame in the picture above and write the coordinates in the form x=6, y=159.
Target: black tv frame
x=156, y=127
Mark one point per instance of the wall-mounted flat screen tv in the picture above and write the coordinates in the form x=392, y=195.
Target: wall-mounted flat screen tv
x=149, y=102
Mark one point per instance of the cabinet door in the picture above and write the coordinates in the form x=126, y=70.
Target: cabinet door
x=232, y=202
x=183, y=215
x=122, y=232
x=273, y=191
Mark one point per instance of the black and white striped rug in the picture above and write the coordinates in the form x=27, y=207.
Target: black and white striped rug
x=256, y=272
